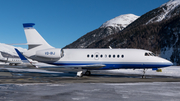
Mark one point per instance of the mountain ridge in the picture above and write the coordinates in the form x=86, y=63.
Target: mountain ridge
x=108, y=28
x=157, y=30
x=161, y=37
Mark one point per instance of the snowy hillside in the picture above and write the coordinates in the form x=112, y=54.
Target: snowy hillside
x=121, y=21
x=166, y=11
x=10, y=49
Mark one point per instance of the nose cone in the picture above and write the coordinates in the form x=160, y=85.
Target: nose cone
x=166, y=62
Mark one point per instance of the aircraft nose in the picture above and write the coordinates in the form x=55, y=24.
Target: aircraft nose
x=167, y=62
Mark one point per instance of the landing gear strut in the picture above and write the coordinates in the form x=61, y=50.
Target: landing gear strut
x=144, y=71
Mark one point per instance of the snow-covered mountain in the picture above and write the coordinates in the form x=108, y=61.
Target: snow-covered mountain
x=158, y=30
x=166, y=11
x=110, y=27
x=10, y=49
x=121, y=21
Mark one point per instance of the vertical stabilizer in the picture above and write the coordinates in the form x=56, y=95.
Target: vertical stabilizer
x=34, y=39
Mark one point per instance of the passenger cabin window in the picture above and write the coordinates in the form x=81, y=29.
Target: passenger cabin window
x=114, y=56
x=117, y=56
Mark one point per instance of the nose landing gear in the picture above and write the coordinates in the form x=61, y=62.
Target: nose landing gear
x=144, y=71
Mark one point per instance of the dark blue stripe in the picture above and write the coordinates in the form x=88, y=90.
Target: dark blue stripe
x=117, y=66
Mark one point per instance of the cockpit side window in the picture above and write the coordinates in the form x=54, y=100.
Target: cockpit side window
x=153, y=54
x=146, y=54
x=150, y=54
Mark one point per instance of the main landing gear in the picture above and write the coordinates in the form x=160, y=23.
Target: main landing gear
x=87, y=73
x=80, y=73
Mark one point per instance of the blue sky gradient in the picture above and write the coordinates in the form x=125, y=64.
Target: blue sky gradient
x=61, y=22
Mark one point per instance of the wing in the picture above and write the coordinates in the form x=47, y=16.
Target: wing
x=87, y=67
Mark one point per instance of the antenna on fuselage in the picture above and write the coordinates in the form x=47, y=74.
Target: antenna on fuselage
x=110, y=47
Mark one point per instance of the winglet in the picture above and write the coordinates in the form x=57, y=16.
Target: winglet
x=23, y=59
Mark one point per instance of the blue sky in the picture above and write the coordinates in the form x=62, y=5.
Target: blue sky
x=61, y=22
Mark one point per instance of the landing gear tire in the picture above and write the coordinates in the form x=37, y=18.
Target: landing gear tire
x=143, y=77
x=87, y=73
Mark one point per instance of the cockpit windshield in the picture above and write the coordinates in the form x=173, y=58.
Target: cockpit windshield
x=149, y=54
x=154, y=54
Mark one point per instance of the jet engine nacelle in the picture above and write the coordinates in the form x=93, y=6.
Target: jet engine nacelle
x=50, y=53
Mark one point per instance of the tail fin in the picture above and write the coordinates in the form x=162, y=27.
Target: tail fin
x=34, y=39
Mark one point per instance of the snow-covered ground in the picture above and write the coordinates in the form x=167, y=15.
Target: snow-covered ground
x=173, y=71
x=168, y=71
x=157, y=91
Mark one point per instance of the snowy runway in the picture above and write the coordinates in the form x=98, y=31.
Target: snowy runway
x=91, y=92
x=173, y=71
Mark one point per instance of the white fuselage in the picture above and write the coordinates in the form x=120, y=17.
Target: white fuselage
x=111, y=58
x=40, y=50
